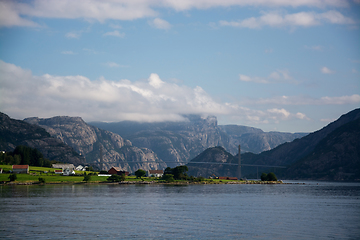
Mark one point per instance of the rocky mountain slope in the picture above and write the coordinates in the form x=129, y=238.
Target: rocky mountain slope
x=256, y=140
x=336, y=157
x=88, y=140
x=16, y=132
x=181, y=141
x=332, y=153
x=217, y=159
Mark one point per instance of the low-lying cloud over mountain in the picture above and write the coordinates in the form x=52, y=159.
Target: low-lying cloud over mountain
x=24, y=94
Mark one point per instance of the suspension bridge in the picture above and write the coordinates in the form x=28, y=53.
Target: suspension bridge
x=239, y=164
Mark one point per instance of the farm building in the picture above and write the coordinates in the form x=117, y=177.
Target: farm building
x=155, y=173
x=20, y=168
x=117, y=171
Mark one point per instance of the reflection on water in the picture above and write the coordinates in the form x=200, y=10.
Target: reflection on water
x=297, y=211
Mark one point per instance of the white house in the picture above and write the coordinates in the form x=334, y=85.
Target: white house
x=155, y=173
x=68, y=172
x=81, y=168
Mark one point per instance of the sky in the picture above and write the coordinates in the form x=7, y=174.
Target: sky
x=278, y=65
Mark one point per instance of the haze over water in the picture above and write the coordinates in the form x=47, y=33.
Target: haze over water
x=296, y=211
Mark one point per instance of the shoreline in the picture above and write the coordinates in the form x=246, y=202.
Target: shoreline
x=146, y=183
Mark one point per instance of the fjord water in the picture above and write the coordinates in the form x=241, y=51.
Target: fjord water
x=290, y=211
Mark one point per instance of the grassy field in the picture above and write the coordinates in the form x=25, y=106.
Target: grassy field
x=50, y=177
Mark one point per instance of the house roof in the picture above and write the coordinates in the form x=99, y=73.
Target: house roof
x=117, y=169
x=156, y=171
x=20, y=166
x=62, y=165
x=56, y=170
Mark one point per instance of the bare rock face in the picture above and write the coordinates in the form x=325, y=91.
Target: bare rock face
x=16, y=132
x=179, y=142
x=88, y=140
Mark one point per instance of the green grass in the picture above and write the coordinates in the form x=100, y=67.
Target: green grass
x=51, y=177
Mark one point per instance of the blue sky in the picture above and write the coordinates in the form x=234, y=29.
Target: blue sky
x=279, y=65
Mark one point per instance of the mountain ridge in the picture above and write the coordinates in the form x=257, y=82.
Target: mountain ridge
x=331, y=153
x=17, y=132
x=88, y=140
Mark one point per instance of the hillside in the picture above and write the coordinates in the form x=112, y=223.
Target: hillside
x=255, y=140
x=182, y=141
x=16, y=132
x=336, y=157
x=289, y=153
x=87, y=140
x=217, y=156
x=332, y=153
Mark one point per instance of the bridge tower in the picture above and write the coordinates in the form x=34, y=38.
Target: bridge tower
x=239, y=166
x=101, y=159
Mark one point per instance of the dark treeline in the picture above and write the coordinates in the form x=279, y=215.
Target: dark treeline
x=23, y=155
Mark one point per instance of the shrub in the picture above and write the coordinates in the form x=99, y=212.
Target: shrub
x=168, y=178
x=268, y=177
x=263, y=177
x=140, y=173
x=272, y=177
x=116, y=178
x=87, y=178
x=41, y=180
x=12, y=177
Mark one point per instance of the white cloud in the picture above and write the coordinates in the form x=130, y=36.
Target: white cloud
x=160, y=24
x=19, y=13
x=76, y=35
x=245, y=78
x=112, y=64
x=301, y=19
x=155, y=81
x=326, y=70
x=305, y=100
x=115, y=33
x=68, y=52
x=23, y=95
x=276, y=76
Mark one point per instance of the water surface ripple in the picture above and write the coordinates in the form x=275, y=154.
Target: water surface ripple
x=310, y=211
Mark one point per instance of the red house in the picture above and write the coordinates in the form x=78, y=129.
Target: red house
x=228, y=178
x=117, y=171
x=20, y=168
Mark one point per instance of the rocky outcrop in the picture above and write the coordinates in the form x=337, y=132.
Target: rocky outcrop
x=179, y=142
x=336, y=157
x=16, y=132
x=331, y=153
x=213, y=162
x=173, y=142
x=88, y=140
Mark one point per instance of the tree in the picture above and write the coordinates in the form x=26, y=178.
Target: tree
x=168, y=177
x=263, y=177
x=178, y=172
x=12, y=177
x=140, y=173
x=116, y=178
x=41, y=180
x=272, y=177
x=87, y=178
x=268, y=177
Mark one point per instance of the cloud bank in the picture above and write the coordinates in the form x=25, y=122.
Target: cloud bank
x=24, y=95
x=19, y=13
x=301, y=19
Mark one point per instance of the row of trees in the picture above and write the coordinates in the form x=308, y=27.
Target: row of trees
x=23, y=155
x=268, y=177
